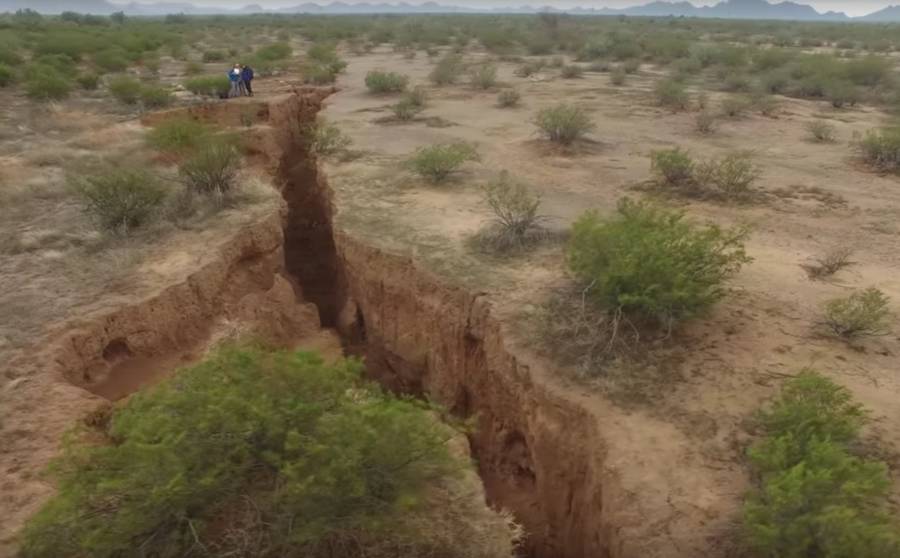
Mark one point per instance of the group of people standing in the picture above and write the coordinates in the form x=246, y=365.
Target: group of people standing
x=241, y=78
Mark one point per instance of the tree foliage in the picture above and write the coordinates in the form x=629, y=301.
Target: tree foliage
x=815, y=497
x=324, y=460
x=651, y=261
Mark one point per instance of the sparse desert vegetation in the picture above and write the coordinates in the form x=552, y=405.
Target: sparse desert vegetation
x=512, y=309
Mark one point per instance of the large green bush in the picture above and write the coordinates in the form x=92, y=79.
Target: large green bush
x=439, y=161
x=652, y=262
x=125, y=89
x=209, y=86
x=447, y=70
x=815, y=498
x=46, y=83
x=178, y=135
x=275, y=51
x=378, y=82
x=213, y=169
x=564, y=123
x=674, y=167
x=120, y=199
x=6, y=75
x=254, y=453
x=111, y=60
x=881, y=149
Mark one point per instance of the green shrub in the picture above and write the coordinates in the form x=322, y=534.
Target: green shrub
x=125, y=89
x=319, y=74
x=881, y=149
x=508, y=98
x=674, y=167
x=439, y=161
x=213, y=169
x=209, y=86
x=863, y=313
x=765, y=104
x=841, y=94
x=672, y=95
x=88, y=82
x=7, y=77
x=821, y=131
x=651, y=262
x=483, y=76
x=814, y=497
x=447, y=70
x=734, y=107
x=251, y=446
x=405, y=110
x=517, y=223
x=112, y=60
x=153, y=97
x=869, y=71
x=48, y=84
x=571, y=71
x=730, y=177
x=417, y=97
x=325, y=56
x=120, y=199
x=276, y=51
x=737, y=82
x=563, y=124
x=327, y=138
x=178, y=135
x=386, y=82
x=213, y=56
x=618, y=77
x=193, y=68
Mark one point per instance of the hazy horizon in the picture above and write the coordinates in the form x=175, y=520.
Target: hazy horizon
x=855, y=8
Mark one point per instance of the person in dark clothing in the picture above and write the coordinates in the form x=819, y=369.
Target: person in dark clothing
x=247, y=79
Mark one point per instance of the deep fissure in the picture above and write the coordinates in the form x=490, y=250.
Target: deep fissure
x=500, y=446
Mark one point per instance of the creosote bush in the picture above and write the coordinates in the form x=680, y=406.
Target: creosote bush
x=814, y=496
x=6, y=75
x=439, y=161
x=618, y=77
x=178, y=135
x=208, y=86
x=731, y=176
x=821, y=131
x=517, y=224
x=120, y=200
x=881, y=149
x=675, y=167
x=672, y=95
x=862, y=314
x=564, y=124
x=47, y=84
x=125, y=89
x=447, y=70
x=386, y=82
x=652, y=263
x=483, y=76
x=405, y=110
x=417, y=97
x=212, y=169
x=326, y=138
x=256, y=453
x=152, y=97
x=735, y=107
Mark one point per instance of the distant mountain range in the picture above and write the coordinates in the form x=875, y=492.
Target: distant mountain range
x=727, y=9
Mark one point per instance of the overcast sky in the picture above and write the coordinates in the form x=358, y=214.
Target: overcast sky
x=851, y=7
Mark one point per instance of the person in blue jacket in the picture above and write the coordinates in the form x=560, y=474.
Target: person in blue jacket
x=234, y=75
x=247, y=79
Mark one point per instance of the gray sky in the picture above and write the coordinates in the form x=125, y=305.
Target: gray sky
x=851, y=7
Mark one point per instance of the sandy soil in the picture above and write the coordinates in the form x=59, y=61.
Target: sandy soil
x=680, y=441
